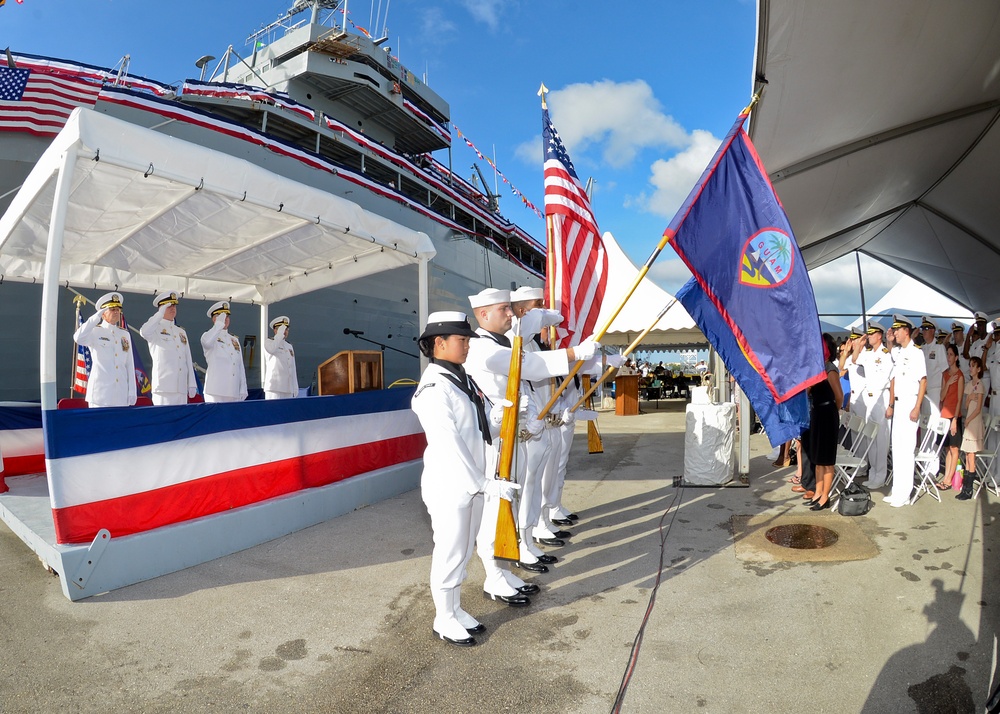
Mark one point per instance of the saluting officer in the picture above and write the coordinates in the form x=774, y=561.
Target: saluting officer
x=875, y=366
x=225, y=377
x=112, y=375
x=936, y=361
x=173, y=370
x=976, y=345
x=460, y=424
x=992, y=367
x=281, y=382
x=906, y=392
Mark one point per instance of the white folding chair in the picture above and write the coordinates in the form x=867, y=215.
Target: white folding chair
x=986, y=461
x=928, y=457
x=847, y=465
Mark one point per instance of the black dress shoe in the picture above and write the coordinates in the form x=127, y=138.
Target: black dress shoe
x=573, y=517
x=476, y=630
x=818, y=507
x=550, y=541
x=512, y=600
x=562, y=522
x=533, y=567
x=546, y=559
x=528, y=589
x=465, y=642
x=562, y=534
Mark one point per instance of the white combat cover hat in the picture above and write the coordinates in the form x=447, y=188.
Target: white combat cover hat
x=280, y=320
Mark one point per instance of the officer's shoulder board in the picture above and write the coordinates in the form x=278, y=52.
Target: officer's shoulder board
x=422, y=388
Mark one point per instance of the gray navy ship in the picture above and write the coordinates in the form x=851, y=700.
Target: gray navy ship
x=328, y=108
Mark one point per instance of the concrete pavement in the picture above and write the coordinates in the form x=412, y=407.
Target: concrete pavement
x=337, y=618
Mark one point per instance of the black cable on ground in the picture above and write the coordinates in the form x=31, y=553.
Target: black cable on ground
x=637, y=643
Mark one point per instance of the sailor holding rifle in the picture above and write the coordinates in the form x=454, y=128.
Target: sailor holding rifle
x=282, y=382
x=112, y=375
x=460, y=425
x=173, y=370
x=489, y=365
x=225, y=377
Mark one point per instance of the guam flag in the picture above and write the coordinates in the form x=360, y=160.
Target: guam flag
x=750, y=293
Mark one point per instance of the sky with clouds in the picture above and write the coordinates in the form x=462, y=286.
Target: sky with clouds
x=641, y=92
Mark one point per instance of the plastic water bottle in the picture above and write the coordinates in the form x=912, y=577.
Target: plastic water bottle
x=956, y=480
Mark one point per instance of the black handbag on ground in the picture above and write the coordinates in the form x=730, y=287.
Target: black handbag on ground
x=855, y=500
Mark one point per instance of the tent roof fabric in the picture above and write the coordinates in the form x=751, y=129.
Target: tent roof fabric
x=148, y=213
x=909, y=297
x=878, y=125
x=675, y=330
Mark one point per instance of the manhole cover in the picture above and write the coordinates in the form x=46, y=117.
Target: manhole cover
x=801, y=536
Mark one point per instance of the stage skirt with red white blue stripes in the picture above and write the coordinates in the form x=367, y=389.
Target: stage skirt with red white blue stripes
x=134, y=469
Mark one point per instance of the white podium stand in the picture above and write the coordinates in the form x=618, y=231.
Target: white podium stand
x=708, y=444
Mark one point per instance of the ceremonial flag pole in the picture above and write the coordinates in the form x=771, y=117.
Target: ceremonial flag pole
x=628, y=350
x=76, y=381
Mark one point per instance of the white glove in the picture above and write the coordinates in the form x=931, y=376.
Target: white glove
x=586, y=349
x=97, y=317
x=531, y=422
x=283, y=332
x=501, y=488
x=568, y=417
x=219, y=320
x=615, y=361
x=530, y=324
x=192, y=392
x=586, y=415
x=551, y=318
x=496, y=411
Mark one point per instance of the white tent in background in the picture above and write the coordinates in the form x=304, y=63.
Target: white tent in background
x=675, y=330
x=912, y=298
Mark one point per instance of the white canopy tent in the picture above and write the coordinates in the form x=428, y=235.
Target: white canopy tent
x=915, y=300
x=675, y=330
x=114, y=206
x=878, y=125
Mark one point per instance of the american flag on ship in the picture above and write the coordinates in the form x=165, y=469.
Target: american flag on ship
x=83, y=363
x=40, y=102
x=578, y=263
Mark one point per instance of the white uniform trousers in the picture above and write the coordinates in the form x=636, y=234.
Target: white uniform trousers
x=565, y=437
x=904, y=445
x=454, y=526
x=537, y=453
x=551, y=478
x=498, y=579
x=278, y=395
x=169, y=398
x=210, y=398
x=933, y=398
x=878, y=454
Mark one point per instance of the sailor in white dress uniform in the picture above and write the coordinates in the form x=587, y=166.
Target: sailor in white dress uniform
x=225, y=377
x=875, y=367
x=112, y=374
x=459, y=425
x=906, y=392
x=489, y=364
x=281, y=381
x=936, y=361
x=173, y=370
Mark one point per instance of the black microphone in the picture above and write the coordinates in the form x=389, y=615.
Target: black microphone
x=349, y=331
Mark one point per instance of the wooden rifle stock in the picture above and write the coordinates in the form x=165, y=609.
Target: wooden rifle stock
x=595, y=445
x=506, y=546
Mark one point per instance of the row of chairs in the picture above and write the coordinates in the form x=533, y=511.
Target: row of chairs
x=859, y=435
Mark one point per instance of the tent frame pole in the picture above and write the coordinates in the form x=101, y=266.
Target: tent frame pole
x=50, y=279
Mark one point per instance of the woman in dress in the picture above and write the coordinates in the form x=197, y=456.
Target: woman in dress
x=972, y=439
x=824, y=426
x=952, y=386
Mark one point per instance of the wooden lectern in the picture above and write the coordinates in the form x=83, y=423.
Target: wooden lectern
x=350, y=371
x=627, y=395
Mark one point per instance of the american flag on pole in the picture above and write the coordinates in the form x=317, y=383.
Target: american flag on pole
x=83, y=363
x=578, y=267
x=40, y=102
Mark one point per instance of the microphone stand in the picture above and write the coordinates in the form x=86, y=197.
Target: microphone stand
x=383, y=346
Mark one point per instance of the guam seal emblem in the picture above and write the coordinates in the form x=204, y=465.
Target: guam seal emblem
x=766, y=260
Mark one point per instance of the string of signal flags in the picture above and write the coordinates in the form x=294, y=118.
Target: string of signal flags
x=513, y=189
